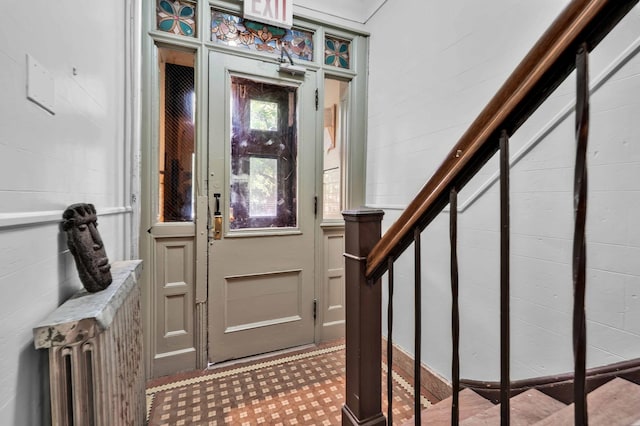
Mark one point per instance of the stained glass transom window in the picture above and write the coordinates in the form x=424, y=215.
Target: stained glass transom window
x=232, y=30
x=336, y=52
x=177, y=17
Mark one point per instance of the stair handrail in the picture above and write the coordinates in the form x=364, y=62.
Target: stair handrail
x=561, y=49
x=546, y=65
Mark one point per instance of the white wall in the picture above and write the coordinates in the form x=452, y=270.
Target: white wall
x=48, y=161
x=433, y=67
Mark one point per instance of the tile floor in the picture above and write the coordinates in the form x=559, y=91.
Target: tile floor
x=304, y=387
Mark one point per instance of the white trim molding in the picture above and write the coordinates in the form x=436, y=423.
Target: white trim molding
x=12, y=220
x=387, y=206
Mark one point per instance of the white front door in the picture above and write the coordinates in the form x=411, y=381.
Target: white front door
x=262, y=168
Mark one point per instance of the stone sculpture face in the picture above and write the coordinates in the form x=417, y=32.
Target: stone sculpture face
x=85, y=244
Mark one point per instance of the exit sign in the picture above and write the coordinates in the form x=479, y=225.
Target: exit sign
x=274, y=12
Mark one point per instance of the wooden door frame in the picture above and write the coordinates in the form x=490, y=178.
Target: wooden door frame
x=355, y=157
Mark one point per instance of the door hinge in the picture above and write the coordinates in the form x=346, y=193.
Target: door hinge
x=315, y=205
x=315, y=309
x=317, y=99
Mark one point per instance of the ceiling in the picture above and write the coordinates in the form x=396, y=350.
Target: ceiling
x=354, y=10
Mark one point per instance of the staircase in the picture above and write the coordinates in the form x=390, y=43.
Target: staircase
x=614, y=403
x=563, y=48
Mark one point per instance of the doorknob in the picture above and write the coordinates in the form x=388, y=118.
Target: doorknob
x=217, y=219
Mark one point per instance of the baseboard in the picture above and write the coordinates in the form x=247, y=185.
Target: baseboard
x=431, y=381
x=559, y=386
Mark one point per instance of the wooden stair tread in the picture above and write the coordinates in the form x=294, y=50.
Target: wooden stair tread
x=526, y=408
x=440, y=413
x=614, y=403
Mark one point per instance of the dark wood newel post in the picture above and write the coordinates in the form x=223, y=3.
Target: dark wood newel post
x=363, y=404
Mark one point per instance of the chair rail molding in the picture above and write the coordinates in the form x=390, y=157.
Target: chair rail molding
x=19, y=219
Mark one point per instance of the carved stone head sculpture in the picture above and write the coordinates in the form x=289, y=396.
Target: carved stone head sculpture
x=80, y=224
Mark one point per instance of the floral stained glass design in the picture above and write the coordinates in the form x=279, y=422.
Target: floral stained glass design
x=336, y=52
x=177, y=17
x=232, y=30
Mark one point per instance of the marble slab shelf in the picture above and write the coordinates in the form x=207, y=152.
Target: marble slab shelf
x=86, y=314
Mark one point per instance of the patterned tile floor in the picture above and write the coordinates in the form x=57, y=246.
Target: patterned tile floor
x=299, y=388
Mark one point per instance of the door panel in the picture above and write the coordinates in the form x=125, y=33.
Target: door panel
x=254, y=301
x=174, y=301
x=335, y=272
x=262, y=163
x=332, y=303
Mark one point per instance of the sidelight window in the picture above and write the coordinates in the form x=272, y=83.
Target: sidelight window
x=176, y=136
x=335, y=142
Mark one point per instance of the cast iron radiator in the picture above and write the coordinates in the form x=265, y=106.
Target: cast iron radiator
x=96, y=367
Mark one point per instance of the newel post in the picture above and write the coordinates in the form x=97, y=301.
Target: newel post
x=363, y=328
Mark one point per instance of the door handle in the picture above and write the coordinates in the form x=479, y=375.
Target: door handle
x=217, y=219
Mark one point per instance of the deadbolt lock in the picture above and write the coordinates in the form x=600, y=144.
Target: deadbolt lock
x=217, y=227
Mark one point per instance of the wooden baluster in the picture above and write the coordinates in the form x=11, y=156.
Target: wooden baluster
x=390, y=344
x=363, y=322
x=505, y=349
x=455, y=311
x=417, y=326
x=579, y=244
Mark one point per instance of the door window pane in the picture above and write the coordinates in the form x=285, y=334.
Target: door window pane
x=264, y=115
x=263, y=188
x=263, y=180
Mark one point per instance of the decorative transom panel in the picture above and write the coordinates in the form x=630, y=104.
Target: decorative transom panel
x=336, y=52
x=177, y=17
x=232, y=30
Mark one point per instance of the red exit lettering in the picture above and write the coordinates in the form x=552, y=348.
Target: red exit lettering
x=273, y=11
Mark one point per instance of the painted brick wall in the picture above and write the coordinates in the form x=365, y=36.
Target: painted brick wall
x=433, y=67
x=48, y=161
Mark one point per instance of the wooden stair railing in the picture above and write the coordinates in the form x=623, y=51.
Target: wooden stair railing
x=561, y=49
